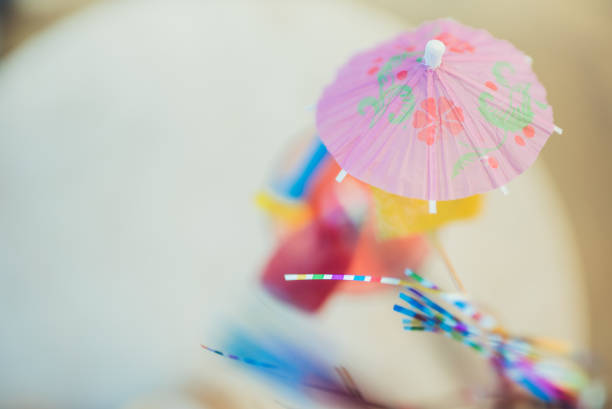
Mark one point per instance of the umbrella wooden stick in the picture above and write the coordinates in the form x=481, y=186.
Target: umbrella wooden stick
x=453, y=273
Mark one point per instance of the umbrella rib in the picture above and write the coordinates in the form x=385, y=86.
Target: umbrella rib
x=468, y=113
x=397, y=128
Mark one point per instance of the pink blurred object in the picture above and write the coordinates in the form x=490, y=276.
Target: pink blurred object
x=338, y=240
x=320, y=247
x=440, y=113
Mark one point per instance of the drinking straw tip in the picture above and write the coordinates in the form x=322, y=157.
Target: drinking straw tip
x=341, y=176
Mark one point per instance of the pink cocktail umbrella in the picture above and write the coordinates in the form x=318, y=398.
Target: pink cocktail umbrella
x=440, y=113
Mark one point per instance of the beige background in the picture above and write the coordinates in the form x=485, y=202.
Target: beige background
x=570, y=43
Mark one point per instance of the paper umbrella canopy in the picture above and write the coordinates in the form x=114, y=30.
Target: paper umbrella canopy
x=440, y=113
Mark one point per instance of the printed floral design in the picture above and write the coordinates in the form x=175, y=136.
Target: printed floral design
x=517, y=115
x=492, y=162
x=528, y=131
x=435, y=118
x=454, y=44
x=390, y=89
x=373, y=70
x=491, y=85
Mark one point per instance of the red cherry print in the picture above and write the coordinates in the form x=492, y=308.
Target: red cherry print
x=528, y=131
x=401, y=75
x=491, y=85
x=410, y=48
x=372, y=70
x=493, y=162
x=519, y=140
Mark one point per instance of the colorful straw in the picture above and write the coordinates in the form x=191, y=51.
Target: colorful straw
x=518, y=358
x=249, y=361
x=458, y=300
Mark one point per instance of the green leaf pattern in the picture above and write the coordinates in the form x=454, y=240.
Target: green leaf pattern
x=388, y=91
x=474, y=156
x=517, y=115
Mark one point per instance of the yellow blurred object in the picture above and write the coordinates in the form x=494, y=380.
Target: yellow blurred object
x=551, y=344
x=398, y=216
x=291, y=214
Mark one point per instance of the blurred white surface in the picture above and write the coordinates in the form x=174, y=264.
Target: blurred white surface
x=132, y=137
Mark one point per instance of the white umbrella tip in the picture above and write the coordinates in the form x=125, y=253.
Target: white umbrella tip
x=434, y=49
x=433, y=209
